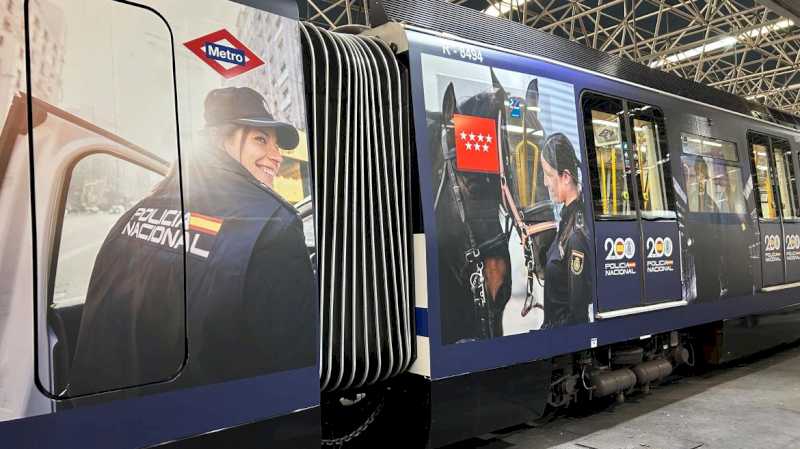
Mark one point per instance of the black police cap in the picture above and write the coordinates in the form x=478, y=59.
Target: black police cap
x=244, y=106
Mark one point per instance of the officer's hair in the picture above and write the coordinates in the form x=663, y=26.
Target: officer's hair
x=559, y=153
x=217, y=135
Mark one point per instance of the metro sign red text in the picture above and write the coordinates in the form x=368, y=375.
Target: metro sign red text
x=476, y=144
x=224, y=53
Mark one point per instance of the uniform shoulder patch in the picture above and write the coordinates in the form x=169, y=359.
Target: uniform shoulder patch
x=576, y=262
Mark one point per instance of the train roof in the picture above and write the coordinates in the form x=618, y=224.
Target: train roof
x=442, y=16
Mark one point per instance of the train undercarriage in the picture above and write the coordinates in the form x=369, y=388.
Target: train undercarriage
x=419, y=413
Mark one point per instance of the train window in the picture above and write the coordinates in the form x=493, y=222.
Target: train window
x=768, y=207
x=784, y=169
x=772, y=165
x=706, y=146
x=652, y=157
x=104, y=138
x=713, y=180
x=610, y=157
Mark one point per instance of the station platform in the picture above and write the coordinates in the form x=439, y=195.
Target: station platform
x=753, y=404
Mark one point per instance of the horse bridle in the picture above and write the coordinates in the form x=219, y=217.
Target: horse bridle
x=473, y=255
x=474, y=258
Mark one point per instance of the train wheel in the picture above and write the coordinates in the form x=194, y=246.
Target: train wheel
x=347, y=417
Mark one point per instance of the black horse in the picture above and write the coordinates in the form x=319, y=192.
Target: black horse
x=468, y=218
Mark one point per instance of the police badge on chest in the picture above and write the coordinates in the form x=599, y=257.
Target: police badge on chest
x=576, y=262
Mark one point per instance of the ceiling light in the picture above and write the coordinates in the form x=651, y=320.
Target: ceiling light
x=498, y=8
x=605, y=123
x=719, y=44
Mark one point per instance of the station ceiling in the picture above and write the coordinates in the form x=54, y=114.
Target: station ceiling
x=747, y=47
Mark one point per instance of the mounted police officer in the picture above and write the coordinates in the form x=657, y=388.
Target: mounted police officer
x=249, y=287
x=568, y=271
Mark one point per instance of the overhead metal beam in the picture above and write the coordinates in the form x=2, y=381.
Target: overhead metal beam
x=650, y=30
x=786, y=8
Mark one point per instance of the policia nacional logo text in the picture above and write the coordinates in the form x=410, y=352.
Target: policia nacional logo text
x=163, y=227
x=620, y=253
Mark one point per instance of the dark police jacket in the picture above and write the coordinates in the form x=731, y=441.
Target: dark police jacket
x=567, y=277
x=249, y=287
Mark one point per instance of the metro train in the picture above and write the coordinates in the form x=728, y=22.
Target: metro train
x=225, y=227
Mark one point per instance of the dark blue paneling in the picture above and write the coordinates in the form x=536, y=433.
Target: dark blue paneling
x=421, y=321
x=618, y=256
x=771, y=253
x=145, y=421
x=791, y=244
x=662, y=254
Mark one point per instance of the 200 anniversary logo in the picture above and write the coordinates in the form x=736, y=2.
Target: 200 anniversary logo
x=619, y=255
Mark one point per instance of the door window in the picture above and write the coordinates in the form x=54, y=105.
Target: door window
x=652, y=156
x=784, y=170
x=771, y=161
x=611, y=160
x=104, y=135
x=765, y=185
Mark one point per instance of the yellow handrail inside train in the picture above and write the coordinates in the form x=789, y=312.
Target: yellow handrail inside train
x=614, y=181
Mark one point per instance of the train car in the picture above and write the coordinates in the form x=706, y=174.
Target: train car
x=158, y=284
x=583, y=225
x=228, y=228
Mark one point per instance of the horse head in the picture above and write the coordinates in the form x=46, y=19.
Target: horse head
x=467, y=203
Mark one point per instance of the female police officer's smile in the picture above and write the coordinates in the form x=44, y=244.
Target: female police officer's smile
x=257, y=150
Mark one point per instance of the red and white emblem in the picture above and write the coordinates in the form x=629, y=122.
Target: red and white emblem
x=224, y=53
x=476, y=144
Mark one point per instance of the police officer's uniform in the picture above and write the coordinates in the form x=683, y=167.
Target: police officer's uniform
x=250, y=287
x=567, y=277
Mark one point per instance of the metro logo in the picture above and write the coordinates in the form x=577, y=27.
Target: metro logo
x=224, y=53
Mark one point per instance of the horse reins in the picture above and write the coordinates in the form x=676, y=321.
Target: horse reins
x=524, y=231
x=474, y=260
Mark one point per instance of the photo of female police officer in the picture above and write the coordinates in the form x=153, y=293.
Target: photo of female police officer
x=518, y=217
x=567, y=284
x=248, y=272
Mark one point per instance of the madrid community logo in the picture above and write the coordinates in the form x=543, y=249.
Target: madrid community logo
x=224, y=53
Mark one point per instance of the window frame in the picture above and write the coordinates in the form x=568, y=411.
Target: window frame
x=718, y=160
x=627, y=143
x=46, y=230
x=794, y=194
x=594, y=173
x=656, y=116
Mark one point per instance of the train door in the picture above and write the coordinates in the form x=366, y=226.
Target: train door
x=103, y=135
x=774, y=169
x=636, y=232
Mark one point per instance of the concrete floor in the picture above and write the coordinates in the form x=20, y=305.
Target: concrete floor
x=751, y=405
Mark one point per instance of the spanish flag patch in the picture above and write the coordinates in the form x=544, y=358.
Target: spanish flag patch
x=204, y=223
